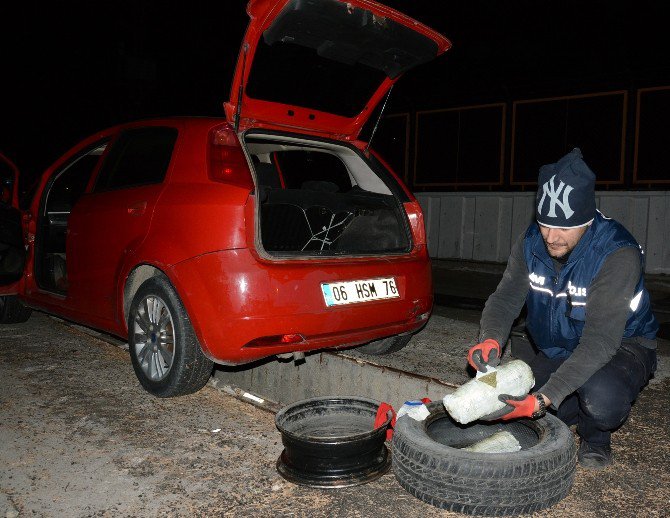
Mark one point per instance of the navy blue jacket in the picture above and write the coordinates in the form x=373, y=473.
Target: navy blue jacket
x=557, y=302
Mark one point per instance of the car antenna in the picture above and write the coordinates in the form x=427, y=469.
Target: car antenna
x=381, y=113
x=238, y=108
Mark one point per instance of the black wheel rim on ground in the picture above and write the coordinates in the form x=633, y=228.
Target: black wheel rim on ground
x=330, y=442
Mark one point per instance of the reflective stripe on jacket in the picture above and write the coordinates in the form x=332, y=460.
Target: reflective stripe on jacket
x=557, y=302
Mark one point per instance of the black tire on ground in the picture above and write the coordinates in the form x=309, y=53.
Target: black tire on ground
x=385, y=345
x=13, y=311
x=428, y=462
x=184, y=368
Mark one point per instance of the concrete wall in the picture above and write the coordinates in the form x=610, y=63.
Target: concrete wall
x=482, y=226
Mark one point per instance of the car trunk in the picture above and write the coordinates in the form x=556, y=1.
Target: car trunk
x=321, y=199
x=322, y=66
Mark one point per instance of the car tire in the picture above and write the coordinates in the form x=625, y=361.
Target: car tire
x=429, y=464
x=13, y=311
x=385, y=345
x=165, y=353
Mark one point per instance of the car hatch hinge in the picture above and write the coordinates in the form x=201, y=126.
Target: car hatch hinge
x=240, y=91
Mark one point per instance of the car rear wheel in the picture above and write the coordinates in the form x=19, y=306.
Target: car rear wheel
x=13, y=311
x=385, y=345
x=164, y=350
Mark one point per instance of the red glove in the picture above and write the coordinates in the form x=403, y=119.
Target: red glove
x=485, y=353
x=517, y=406
x=382, y=416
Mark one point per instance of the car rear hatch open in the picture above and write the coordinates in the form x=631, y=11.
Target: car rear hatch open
x=322, y=66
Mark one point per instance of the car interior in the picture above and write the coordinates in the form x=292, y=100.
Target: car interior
x=323, y=199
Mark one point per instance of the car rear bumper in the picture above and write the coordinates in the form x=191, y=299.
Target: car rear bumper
x=233, y=300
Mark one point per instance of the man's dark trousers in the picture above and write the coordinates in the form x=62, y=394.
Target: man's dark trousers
x=603, y=403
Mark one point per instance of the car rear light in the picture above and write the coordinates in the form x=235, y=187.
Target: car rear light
x=227, y=162
x=415, y=216
x=275, y=340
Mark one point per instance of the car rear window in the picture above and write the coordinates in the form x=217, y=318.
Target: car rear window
x=138, y=157
x=331, y=56
x=332, y=87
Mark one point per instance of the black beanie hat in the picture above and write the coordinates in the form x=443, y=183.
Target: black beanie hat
x=566, y=193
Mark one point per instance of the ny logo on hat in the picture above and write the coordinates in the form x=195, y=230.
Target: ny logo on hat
x=550, y=189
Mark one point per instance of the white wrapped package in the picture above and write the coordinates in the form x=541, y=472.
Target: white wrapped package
x=479, y=396
x=501, y=442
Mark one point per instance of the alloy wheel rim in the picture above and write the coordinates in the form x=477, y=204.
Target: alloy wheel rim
x=154, y=338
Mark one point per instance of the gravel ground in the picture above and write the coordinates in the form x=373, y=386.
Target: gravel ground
x=439, y=351
x=81, y=438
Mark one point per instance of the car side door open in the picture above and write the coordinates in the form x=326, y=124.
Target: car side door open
x=12, y=250
x=62, y=192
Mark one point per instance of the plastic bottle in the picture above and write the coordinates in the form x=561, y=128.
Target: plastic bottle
x=414, y=409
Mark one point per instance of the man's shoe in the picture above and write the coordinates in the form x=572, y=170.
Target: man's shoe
x=594, y=456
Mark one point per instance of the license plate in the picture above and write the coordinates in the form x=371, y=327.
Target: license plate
x=351, y=292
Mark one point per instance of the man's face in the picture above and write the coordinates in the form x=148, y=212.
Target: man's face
x=561, y=241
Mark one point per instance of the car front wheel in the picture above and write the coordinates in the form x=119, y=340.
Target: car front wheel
x=165, y=353
x=12, y=310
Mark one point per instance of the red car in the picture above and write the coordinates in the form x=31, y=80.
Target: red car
x=271, y=231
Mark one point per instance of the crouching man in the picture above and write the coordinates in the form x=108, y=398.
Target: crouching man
x=589, y=315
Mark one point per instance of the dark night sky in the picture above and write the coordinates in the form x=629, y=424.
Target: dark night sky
x=71, y=68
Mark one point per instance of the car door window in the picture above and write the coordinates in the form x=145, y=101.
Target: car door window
x=71, y=184
x=66, y=187
x=138, y=157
